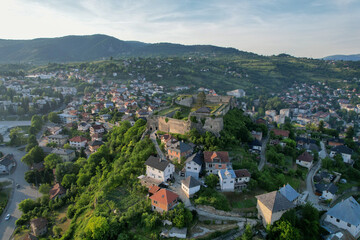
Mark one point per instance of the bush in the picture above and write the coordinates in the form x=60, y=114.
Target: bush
x=213, y=198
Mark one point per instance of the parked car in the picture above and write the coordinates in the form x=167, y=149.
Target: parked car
x=17, y=185
x=7, y=217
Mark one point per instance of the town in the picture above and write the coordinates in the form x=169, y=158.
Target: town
x=208, y=164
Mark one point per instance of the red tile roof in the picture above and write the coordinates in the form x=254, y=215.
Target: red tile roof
x=57, y=190
x=154, y=189
x=280, y=132
x=78, y=139
x=164, y=196
x=209, y=156
x=242, y=173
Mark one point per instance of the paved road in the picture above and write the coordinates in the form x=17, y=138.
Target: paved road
x=24, y=192
x=263, y=151
x=176, y=187
x=314, y=199
x=153, y=138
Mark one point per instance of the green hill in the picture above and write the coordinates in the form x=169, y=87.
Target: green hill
x=95, y=47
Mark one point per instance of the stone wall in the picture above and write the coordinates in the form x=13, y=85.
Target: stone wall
x=187, y=102
x=173, y=125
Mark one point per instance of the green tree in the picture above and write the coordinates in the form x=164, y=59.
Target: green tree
x=321, y=127
x=97, y=228
x=283, y=230
x=350, y=133
x=1, y=138
x=211, y=180
x=27, y=205
x=201, y=99
x=54, y=117
x=68, y=179
x=248, y=233
x=57, y=230
x=177, y=115
x=44, y=188
x=16, y=137
x=52, y=160
x=32, y=142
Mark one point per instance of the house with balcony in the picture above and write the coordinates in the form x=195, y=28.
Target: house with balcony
x=215, y=161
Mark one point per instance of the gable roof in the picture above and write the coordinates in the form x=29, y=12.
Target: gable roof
x=210, y=156
x=306, y=157
x=157, y=163
x=289, y=192
x=190, y=182
x=280, y=132
x=275, y=201
x=78, y=139
x=227, y=173
x=56, y=190
x=164, y=196
x=320, y=187
x=7, y=160
x=347, y=210
x=203, y=110
x=242, y=173
x=95, y=143
x=342, y=149
x=196, y=157
x=154, y=189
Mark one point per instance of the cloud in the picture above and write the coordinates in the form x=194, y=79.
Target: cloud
x=313, y=28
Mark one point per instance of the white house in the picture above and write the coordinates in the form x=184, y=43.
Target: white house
x=242, y=178
x=227, y=179
x=159, y=169
x=344, y=151
x=78, y=142
x=190, y=186
x=83, y=126
x=328, y=191
x=305, y=160
x=193, y=165
x=346, y=215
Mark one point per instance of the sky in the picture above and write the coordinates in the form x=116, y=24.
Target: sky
x=302, y=28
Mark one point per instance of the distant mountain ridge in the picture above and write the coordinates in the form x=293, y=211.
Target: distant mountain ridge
x=352, y=57
x=96, y=47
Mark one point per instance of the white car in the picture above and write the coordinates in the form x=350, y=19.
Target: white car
x=7, y=217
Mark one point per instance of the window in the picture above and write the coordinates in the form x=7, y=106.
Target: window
x=210, y=165
x=188, y=167
x=331, y=216
x=231, y=181
x=195, y=168
x=337, y=220
x=224, y=181
x=349, y=225
x=159, y=171
x=219, y=165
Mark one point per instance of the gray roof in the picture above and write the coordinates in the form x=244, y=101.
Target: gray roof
x=288, y=192
x=157, y=163
x=95, y=143
x=342, y=149
x=347, y=210
x=197, y=158
x=190, y=182
x=61, y=151
x=332, y=188
x=184, y=147
x=275, y=201
x=7, y=160
x=58, y=136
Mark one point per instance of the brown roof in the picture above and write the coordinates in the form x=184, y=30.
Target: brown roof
x=306, y=157
x=242, y=173
x=78, y=139
x=275, y=201
x=223, y=156
x=280, y=132
x=164, y=196
x=39, y=223
x=56, y=190
x=154, y=189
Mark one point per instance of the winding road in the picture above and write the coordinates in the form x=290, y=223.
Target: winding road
x=314, y=199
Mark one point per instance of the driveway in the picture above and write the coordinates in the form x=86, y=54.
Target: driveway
x=176, y=187
x=263, y=151
x=153, y=139
x=19, y=194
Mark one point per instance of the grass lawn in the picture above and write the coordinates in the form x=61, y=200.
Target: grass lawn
x=124, y=199
x=168, y=110
x=244, y=201
x=344, y=186
x=62, y=221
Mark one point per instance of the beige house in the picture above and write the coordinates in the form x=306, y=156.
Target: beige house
x=271, y=206
x=60, y=140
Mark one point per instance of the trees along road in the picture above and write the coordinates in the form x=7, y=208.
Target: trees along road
x=23, y=192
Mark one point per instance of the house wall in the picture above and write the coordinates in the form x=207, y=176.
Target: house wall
x=215, y=167
x=160, y=175
x=189, y=192
x=193, y=169
x=226, y=184
x=78, y=145
x=304, y=164
x=264, y=213
x=243, y=179
x=353, y=230
x=328, y=195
